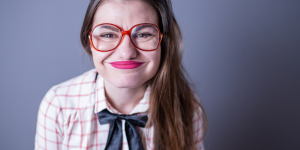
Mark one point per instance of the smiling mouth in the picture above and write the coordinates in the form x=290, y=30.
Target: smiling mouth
x=126, y=64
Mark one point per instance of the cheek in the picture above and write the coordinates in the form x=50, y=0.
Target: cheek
x=157, y=56
x=155, y=59
x=99, y=57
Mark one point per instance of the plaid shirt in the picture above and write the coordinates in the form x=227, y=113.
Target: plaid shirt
x=67, y=117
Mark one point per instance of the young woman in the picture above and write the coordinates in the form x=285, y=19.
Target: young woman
x=137, y=97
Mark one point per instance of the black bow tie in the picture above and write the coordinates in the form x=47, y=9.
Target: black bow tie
x=114, y=140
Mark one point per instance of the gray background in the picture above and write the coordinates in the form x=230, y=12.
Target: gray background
x=243, y=57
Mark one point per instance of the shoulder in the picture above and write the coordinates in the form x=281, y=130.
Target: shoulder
x=66, y=94
x=61, y=106
x=83, y=79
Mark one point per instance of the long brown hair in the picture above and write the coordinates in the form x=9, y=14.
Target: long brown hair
x=173, y=104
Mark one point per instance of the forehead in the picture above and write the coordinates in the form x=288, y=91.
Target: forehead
x=125, y=13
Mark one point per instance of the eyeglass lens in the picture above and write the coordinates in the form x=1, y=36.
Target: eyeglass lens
x=107, y=37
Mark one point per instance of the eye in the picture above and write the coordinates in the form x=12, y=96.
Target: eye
x=108, y=35
x=143, y=35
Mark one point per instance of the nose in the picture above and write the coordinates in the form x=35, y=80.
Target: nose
x=126, y=50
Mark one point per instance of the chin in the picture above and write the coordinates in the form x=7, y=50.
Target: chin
x=127, y=84
x=128, y=81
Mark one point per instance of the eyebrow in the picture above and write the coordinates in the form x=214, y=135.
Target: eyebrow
x=142, y=27
x=110, y=27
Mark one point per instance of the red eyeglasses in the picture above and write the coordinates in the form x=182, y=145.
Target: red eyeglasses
x=107, y=37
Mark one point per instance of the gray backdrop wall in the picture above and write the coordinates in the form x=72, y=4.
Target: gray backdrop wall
x=243, y=57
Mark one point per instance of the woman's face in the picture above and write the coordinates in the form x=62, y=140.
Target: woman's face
x=126, y=14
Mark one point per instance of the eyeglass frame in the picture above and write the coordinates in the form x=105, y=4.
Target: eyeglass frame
x=128, y=32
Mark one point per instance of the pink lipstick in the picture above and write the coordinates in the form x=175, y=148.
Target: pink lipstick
x=126, y=64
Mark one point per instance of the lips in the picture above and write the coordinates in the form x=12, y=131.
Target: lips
x=126, y=64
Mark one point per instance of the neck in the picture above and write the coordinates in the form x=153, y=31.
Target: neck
x=126, y=98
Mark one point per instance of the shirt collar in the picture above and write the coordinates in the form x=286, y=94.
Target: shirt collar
x=102, y=103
